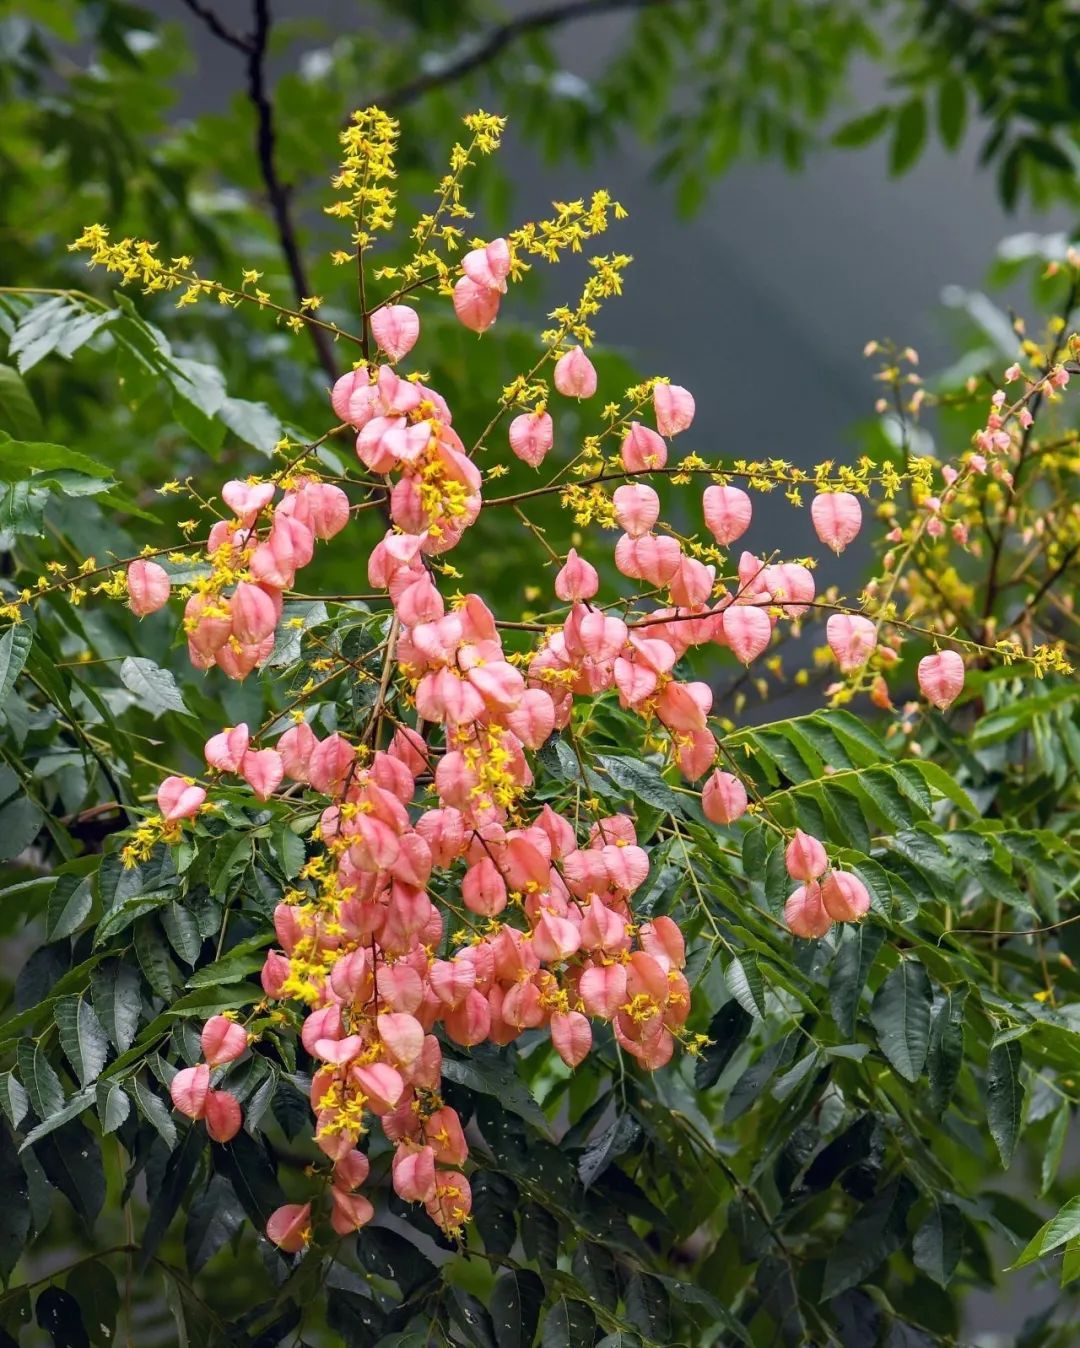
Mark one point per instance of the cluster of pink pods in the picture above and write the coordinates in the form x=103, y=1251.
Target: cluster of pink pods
x=545, y=928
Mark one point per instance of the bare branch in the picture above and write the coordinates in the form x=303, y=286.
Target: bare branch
x=488, y=47
x=219, y=30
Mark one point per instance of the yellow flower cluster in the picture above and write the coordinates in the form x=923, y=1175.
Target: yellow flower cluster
x=367, y=169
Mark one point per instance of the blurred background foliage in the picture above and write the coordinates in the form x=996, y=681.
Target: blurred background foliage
x=95, y=127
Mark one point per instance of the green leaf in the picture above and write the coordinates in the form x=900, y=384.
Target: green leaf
x=84, y=1042
x=901, y=1018
x=15, y=1209
x=94, y=1288
x=946, y=1052
x=951, y=110
x=878, y=1230
x=58, y=1314
x=647, y=1307
x=593, y=1265
x=744, y=982
x=113, y=1106
x=13, y=1098
x=153, y=956
x=494, y=1201
x=727, y=1031
x=114, y=988
x=939, y=1243
x=1055, y=1145
x=214, y=1217
x=41, y=1082
x=154, y=1110
x=71, y=1159
x=75, y=1106
x=69, y=906
x=179, y=1171
x=183, y=932
x=14, y=648
x=617, y=1139
x=390, y=1255
x=862, y=130
x=539, y=1235
x=154, y=687
x=858, y=949
x=124, y=914
x=18, y=411
x=20, y=823
x=1060, y=1229
x=516, y=1299
x=488, y=1072
x=568, y=1324
x=642, y=780
x=20, y=458
x=254, y=423
x=909, y=136
x=1005, y=1098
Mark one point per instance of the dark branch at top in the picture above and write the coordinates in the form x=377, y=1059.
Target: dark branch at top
x=488, y=47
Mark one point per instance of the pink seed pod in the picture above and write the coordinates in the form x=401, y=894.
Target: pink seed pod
x=223, y=1117
x=805, y=857
x=246, y=499
x=477, y=307
x=177, y=798
x=147, y=586
x=488, y=266
x=637, y=508
x=844, y=896
x=571, y=1035
x=222, y=1041
x=395, y=328
x=674, y=408
x=723, y=799
x=728, y=511
x=603, y=989
x=254, y=614
x=413, y=1172
x=837, y=518
x=852, y=639
x=941, y=678
x=577, y=579
x=805, y=913
x=575, y=374
x=226, y=750
x=349, y=1212
x=642, y=449
x=747, y=630
x=531, y=437
x=289, y=1227
x=263, y=770
x=189, y=1090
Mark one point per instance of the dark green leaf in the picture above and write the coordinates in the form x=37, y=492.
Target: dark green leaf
x=647, y=1307
x=946, y=1049
x=213, y=1218
x=516, y=1299
x=154, y=687
x=727, y=1031
x=114, y=987
x=486, y=1071
x=388, y=1254
x=939, y=1243
x=617, y=1139
x=41, y=1082
x=69, y=905
x=1005, y=1098
x=568, y=1324
x=494, y=1202
x=951, y=110
x=71, y=1159
x=862, y=130
x=58, y=1314
x=81, y=1037
x=15, y=1209
x=901, y=1018
x=878, y=1230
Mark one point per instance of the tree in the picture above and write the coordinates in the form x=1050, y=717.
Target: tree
x=787, y=1119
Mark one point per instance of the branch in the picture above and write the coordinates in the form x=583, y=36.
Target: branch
x=276, y=191
x=226, y=35
x=485, y=50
